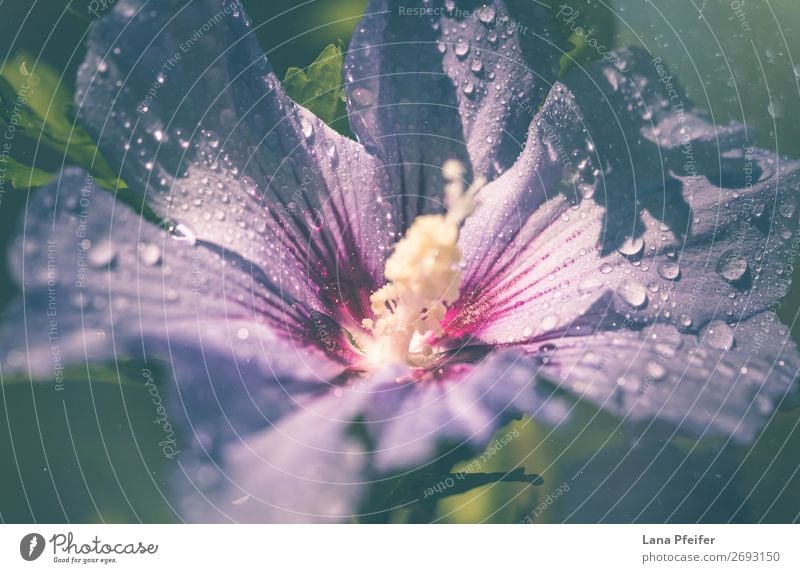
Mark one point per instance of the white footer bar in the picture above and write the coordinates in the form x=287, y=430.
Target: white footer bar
x=399, y=548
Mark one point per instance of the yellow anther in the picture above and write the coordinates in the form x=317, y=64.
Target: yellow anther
x=423, y=278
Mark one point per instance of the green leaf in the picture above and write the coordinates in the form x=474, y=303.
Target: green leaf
x=21, y=176
x=320, y=88
x=123, y=372
x=589, y=26
x=35, y=103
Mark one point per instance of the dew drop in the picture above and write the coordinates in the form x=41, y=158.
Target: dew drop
x=469, y=87
x=461, y=49
x=732, y=267
x=669, y=270
x=306, y=127
x=633, y=293
x=632, y=246
x=548, y=323
x=486, y=14
x=101, y=254
x=719, y=335
x=786, y=209
x=656, y=370
x=362, y=97
x=149, y=254
x=665, y=350
x=329, y=147
x=606, y=268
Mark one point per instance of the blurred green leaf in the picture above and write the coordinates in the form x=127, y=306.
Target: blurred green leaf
x=22, y=176
x=35, y=103
x=320, y=88
x=588, y=26
x=123, y=372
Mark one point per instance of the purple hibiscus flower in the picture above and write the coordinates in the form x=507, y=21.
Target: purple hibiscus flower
x=335, y=313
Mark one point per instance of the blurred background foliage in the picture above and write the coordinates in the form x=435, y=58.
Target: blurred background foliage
x=81, y=454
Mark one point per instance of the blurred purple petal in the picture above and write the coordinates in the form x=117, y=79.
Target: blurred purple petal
x=100, y=284
x=309, y=467
x=460, y=407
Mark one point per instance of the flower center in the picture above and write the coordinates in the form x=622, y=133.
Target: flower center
x=423, y=279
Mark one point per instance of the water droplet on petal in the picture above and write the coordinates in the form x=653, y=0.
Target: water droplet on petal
x=786, y=209
x=632, y=246
x=731, y=266
x=656, y=370
x=548, y=323
x=719, y=335
x=633, y=293
x=670, y=271
x=486, y=14
x=149, y=254
x=469, y=87
x=329, y=147
x=685, y=320
x=462, y=49
x=606, y=268
x=306, y=127
x=362, y=97
x=101, y=254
